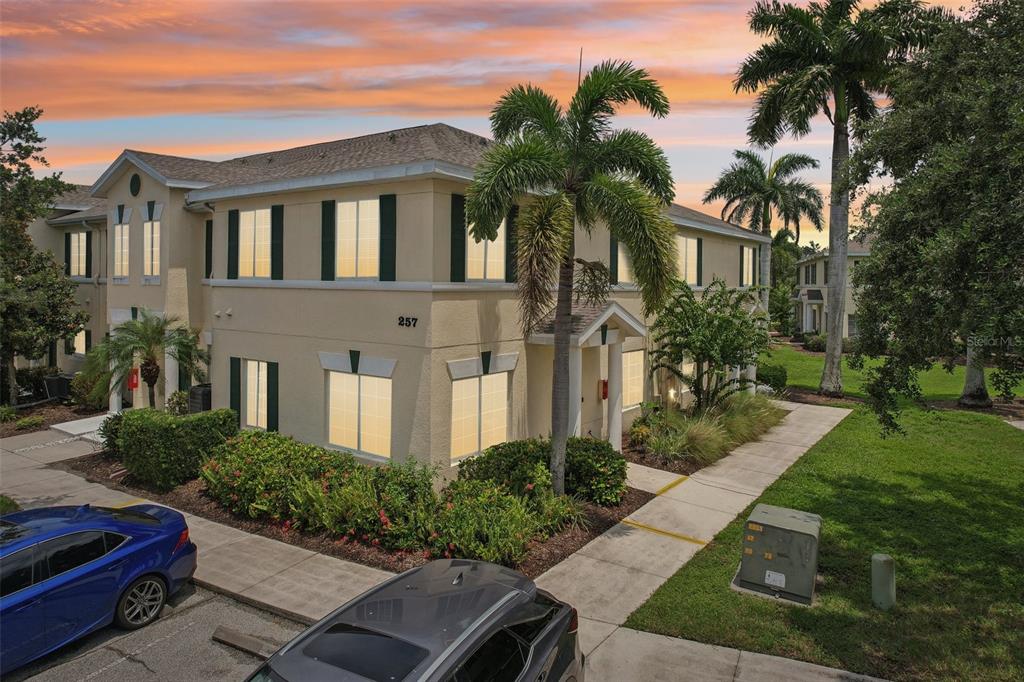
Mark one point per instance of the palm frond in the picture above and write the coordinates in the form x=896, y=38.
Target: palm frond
x=544, y=233
x=608, y=85
x=526, y=109
x=633, y=153
x=788, y=164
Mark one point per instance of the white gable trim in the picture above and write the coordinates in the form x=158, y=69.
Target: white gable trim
x=101, y=185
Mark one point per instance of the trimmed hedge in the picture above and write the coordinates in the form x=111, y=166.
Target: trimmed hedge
x=775, y=376
x=110, y=431
x=164, y=450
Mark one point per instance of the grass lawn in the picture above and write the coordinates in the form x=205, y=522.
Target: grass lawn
x=946, y=500
x=804, y=371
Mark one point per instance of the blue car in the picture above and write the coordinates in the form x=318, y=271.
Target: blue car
x=66, y=571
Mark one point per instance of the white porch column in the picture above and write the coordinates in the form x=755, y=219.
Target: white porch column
x=751, y=376
x=115, y=397
x=615, y=395
x=575, y=390
x=170, y=376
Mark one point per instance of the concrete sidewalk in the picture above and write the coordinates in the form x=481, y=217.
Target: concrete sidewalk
x=605, y=580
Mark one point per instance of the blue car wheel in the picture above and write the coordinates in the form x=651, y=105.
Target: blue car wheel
x=141, y=603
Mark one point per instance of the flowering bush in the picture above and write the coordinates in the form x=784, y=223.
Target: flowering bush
x=478, y=520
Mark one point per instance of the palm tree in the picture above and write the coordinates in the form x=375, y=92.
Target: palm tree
x=145, y=340
x=752, y=189
x=579, y=172
x=830, y=57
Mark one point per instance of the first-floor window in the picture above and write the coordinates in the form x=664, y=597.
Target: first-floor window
x=151, y=248
x=359, y=412
x=686, y=264
x=121, y=250
x=256, y=393
x=479, y=413
x=747, y=267
x=78, y=249
x=632, y=378
x=851, y=325
x=486, y=259
x=80, y=343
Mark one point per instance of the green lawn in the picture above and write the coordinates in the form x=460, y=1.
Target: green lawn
x=946, y=500
x=805, y=372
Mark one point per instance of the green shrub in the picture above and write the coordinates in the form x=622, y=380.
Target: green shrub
x=7, y=505
x=849, y=344
x=7, y=414
x=110, y=431
x=746, y=417
x=252, y=474
x=164, y=450
x=26, y=423
x=82, y=393
x=814, y=343
x=479, y=520
x=639, y=435
x=775, y=376
x=701, y=439
x=595, y=471
x=177, y=403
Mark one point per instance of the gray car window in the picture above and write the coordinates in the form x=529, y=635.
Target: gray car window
x=500, y=659
x=68, y=552
x=16, y=572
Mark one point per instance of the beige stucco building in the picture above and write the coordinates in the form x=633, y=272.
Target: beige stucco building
x=342, y=302
x=810, y=298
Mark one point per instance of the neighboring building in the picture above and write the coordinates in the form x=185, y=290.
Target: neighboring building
x=343, y=303
x=810, y=298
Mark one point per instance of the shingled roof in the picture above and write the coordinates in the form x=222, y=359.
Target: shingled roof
x=688, y=215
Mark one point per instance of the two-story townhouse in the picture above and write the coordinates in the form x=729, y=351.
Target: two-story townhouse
x=344, y=304
x=75, y=233
x=810, y=298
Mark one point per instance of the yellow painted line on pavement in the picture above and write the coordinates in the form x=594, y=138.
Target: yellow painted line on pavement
x=137, y=500
x=666, y=533
x=671, y=485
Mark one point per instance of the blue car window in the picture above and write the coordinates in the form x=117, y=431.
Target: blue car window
x=71, y=551
x=16, y=572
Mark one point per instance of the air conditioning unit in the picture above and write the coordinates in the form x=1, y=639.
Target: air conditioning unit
x=780, y=553
x=199, y=398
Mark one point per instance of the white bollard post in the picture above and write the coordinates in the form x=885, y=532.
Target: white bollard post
x=883, y=581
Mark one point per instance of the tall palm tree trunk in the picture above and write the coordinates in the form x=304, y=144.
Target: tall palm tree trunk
x=560, y=373
x=12, y=381
x=838, y=233
x=975, y=393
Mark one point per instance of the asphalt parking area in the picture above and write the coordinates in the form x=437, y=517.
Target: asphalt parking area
x=178, y=646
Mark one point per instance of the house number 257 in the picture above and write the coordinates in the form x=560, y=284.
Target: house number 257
x=407, y=321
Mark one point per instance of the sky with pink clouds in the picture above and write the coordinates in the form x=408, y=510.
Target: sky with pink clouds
x=226, y=78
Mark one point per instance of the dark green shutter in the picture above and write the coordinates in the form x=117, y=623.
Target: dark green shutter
x=272, y=396
x=700, y=262
x=88, y=254
x=328, y=236
x=67, y=253
x=233, y=244
x=69, y=346
x=741, y=265
x=277, y=241
x=51, y=354
x=236, y=387
x=510, y=244
x=824, y=270
x=757, y=266
x=88, y=340
x=388, y=236
x=458, y=267
x=135, y=313
x=613, y=261
x=209, y=249
x=183, y=379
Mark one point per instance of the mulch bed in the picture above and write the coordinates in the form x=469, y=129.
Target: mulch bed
x=52, y=413
x=191, y=497
x=683, y=467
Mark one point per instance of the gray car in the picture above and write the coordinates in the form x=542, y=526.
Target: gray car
x=452, y=620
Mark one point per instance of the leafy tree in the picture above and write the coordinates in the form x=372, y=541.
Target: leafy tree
x=946, y=272
x=720, y=330
x=36, y=297
x=145, y=340
x=753, y=190
x=785, y=254
x=581, y=172
x=830, y=57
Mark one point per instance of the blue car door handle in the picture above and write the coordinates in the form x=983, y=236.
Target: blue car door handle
x=117, y=565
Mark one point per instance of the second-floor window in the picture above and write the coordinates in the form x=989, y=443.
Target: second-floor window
x=358, y=240
x=78, y=248
x=625, y=265
x=121, y=250
x=811, y=273
x=486, y=259
x=254, y=243
x=79, y=343
x=151, y=248
x=747, y=266
x=686, y=263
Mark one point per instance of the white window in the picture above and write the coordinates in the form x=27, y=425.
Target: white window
x=78, y=253
x=80, y=343
x=254, y=243
x=359, y=412
x=625, y=266
x=632, y=378
x=151, y=248
x=121, y=250
x=358, y=241
x=256, y=394
x=747, y=269
x=479, y=413
x=486, y=259
x=686, y=264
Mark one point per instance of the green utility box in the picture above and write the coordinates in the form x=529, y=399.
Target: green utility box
x=780, y=553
